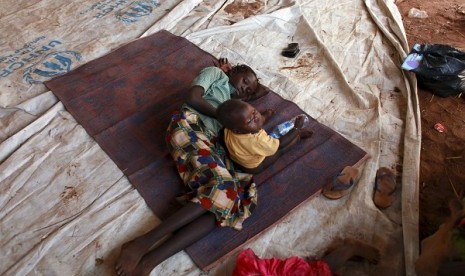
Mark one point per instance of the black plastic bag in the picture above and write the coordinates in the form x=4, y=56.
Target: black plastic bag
x=441, y=69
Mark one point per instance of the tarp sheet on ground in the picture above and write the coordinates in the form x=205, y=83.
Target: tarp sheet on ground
x=65, y=206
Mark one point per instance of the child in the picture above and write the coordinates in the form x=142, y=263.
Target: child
x=247, y=142
x=205, y=172
x=214, y=86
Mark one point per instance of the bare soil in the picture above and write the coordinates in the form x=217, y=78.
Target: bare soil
x=442, y=164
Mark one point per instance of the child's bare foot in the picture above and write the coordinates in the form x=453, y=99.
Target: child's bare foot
x=305, y=133
x=130, y=255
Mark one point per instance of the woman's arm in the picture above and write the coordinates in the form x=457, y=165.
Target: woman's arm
x=224, y=65
x=195, y=99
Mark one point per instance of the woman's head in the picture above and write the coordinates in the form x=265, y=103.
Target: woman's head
x=239, y=116
x=244, y=79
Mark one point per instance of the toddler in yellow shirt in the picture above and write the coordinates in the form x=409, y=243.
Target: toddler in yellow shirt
x=249, y=146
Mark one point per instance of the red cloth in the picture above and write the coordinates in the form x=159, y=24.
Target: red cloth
x=249, y=264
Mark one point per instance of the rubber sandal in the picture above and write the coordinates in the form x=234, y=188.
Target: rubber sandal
x=341, y=184
x=291, y=47
x=291, y=50
x=385, y=186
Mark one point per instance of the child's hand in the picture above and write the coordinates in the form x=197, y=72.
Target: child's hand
x=299, y=121
x=305, y=133
x=267, y=113
x=224, y=65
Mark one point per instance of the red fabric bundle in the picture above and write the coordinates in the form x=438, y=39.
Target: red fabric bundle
x=249, y=264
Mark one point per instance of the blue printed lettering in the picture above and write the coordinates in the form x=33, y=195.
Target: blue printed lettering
x=16, y=65
x=5, y=73
x=53, y=43
x=30, y=58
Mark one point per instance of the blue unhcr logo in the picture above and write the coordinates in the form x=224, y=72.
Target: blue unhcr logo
x=51, y=65
x=135, y=10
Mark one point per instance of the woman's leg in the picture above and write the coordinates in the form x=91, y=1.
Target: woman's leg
x=132, y=252
x=181, y=239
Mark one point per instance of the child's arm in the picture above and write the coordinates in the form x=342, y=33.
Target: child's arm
x=290, y=138
x=285, y=143
x=267, y=114
x=195, y=99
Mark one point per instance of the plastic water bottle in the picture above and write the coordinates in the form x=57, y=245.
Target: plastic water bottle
x=283, y=128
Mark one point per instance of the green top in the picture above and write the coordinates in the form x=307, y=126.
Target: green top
x=217, y=90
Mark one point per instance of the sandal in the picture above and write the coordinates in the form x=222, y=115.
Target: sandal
x=385, y=186
x=341, y=184
x=291, y=50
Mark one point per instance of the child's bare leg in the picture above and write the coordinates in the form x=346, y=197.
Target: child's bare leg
x=350, y=248
x=132, y=252
x=181, y=239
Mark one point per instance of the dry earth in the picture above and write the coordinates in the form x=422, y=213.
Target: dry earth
x=442, y=165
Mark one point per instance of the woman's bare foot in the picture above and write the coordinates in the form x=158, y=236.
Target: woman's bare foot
x=131, y=254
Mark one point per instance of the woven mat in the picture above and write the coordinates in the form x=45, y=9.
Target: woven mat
x=124, y=101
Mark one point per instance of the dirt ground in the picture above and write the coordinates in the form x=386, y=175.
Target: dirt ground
x=442, y=165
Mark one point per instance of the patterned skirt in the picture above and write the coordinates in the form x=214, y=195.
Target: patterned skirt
x=208, y=175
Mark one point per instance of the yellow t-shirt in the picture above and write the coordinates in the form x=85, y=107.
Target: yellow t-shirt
x=249, y=150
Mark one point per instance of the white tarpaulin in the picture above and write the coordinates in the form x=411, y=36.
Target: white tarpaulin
x=66, y=208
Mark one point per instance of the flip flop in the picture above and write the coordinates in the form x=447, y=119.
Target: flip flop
x=291, y=50
x=341, y=184
x=385, y=186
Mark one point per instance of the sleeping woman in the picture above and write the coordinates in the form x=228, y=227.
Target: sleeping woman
x=215, y=194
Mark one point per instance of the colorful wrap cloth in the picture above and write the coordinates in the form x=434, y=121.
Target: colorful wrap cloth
x=248, y=264
x=207, y=173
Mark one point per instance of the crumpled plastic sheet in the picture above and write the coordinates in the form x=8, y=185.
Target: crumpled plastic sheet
x=66, y=208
